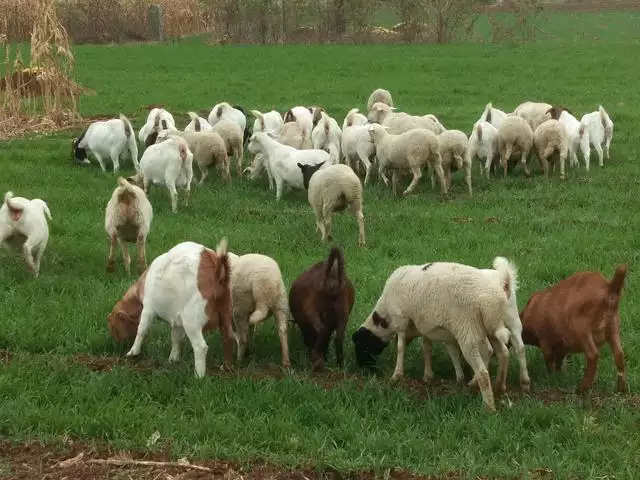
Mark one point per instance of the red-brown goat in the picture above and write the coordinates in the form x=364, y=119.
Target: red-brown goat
x=577, y=315
x=320, y=300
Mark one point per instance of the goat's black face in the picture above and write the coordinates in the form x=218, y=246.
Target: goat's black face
x=78, y=153
x=308, y=171
x=368, y=347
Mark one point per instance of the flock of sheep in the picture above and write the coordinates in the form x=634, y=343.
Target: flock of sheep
x=473, y=311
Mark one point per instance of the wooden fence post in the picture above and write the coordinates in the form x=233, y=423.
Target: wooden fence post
x=156, y=29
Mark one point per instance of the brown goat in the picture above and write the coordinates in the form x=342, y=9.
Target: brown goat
x=124, y=318
x=320, y=300
x=577, y=315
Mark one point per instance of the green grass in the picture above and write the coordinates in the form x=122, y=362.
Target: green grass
x=551, y=229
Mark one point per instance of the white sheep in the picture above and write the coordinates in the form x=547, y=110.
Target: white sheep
x=224, y=111
x=411, y=150
x=443, y=301
x=335, y=188
x=454, y=151
x=127, y=220
x=577, y=135
x=158, y=119
x=107, y=139
x=283, y=159
x=327, y=135
x=492, y=115
x=188, y=287
x=600, y=128
x=551, y=138
x=257, y=290
x=400, y=122
x=483, y=144
x=233, y=138
x=533, y=112
x=379, y=95
x=515, y=136
x=357, y=145
x=24, y=227
x=169, y=163
x=208, y=150
x=197, y=123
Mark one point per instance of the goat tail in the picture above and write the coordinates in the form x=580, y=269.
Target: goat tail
x=132, y=144
x=603, y=116
x=459, y=160
x=124, y=183
x=224, y=268
x=479, y=132
x=334, y=278
x=616, y=284
x=487, y=111
x=183, y=151
x=7, y=197
x=581, y=130
x=45, y=208
x=503, y=334
x=508, y=274
x=350, y=115
x=196, y=121
x=326, y=127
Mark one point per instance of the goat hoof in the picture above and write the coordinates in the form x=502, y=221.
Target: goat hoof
x=525, y=387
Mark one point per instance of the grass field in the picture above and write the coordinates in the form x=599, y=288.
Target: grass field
x=62, y=377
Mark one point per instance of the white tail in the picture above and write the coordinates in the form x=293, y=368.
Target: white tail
x=221, y=249
x=132, y=145
x=508, y=274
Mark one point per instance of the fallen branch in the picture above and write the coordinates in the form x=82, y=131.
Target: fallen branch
x=182, y=463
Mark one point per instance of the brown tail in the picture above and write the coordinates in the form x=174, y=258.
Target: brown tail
x=616, y=284
x=334, y=277
x=479, y=131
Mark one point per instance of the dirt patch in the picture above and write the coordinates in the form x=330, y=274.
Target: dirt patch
x=5, y=356
x=106, y=364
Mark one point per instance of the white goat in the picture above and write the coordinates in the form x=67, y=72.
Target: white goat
x=492, y=115
x=197, y=123
x=357, y=145
x=224, y=111
x=270, y=122
x=483, y=144
x=600, y=128
x=327, y=136
x=577, y=135
x=158, y=119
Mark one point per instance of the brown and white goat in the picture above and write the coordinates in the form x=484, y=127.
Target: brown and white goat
x=577, y=315
x=320, y=300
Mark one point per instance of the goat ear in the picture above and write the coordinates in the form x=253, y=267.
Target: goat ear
x=301, y=166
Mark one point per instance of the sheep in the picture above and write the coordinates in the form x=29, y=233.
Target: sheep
x=577, y=134
x=320, y=300
x=379, y=95
x=577, y=315
x=197, y=123
x=282, y=160
x=533, y=112
x=294, y=135
x=208, y=149
x=257, y=289
x=224, y=111
x=233, y=140
x=168, y=163
x=127, y=219
x=483, y=144
x=400, y=122
x=267, y=122
x=549, y=138
x=600, y=128
x=515, y=136
x=108, y=138
x=326, y=135
x=454, y=150
x=410, y=150
x=158, y=119
x=306, y=117
x=24, y=227
x=444, y=301
x=492, y=115
x=189, y=287
x=333, y=189
x=357, y=145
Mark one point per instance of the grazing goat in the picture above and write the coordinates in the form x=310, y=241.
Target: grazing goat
x=23, y=226
x=320, y=300
x=127, y=219
x=189, y=287
x=577, y=315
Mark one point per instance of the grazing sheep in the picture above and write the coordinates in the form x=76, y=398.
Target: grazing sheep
x=357, y=145
x=577, y=134
x=515, y=136
x=320, y=300
x=533, y=112
x=24, y=227
x=257, y=289
x=492, y=115
x=225, y=112
x=400, y=122
x=233, y=141
x=483, y=144
x=189, y=287
x=169, y=163
x=127, y=220
x=333, y=189
x=197, y=124
x=454, y=146
x=208, y=150
x=327, y=136
x=411, y=150
x=282, y=160
x=158, y=119
x=444, y=301
x=600, y=129
x=551, y=138
x=108, y=138
x=577, y=315
x=379, y=95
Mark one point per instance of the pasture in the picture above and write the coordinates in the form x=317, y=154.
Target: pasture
x=65, y=382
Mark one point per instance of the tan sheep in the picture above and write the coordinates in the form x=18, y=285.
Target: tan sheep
x=533, y=112
x=515, y=136
x=379, y=95
x=233, y=138
x=400, y=122
x=454, y=147
x=550, y=139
